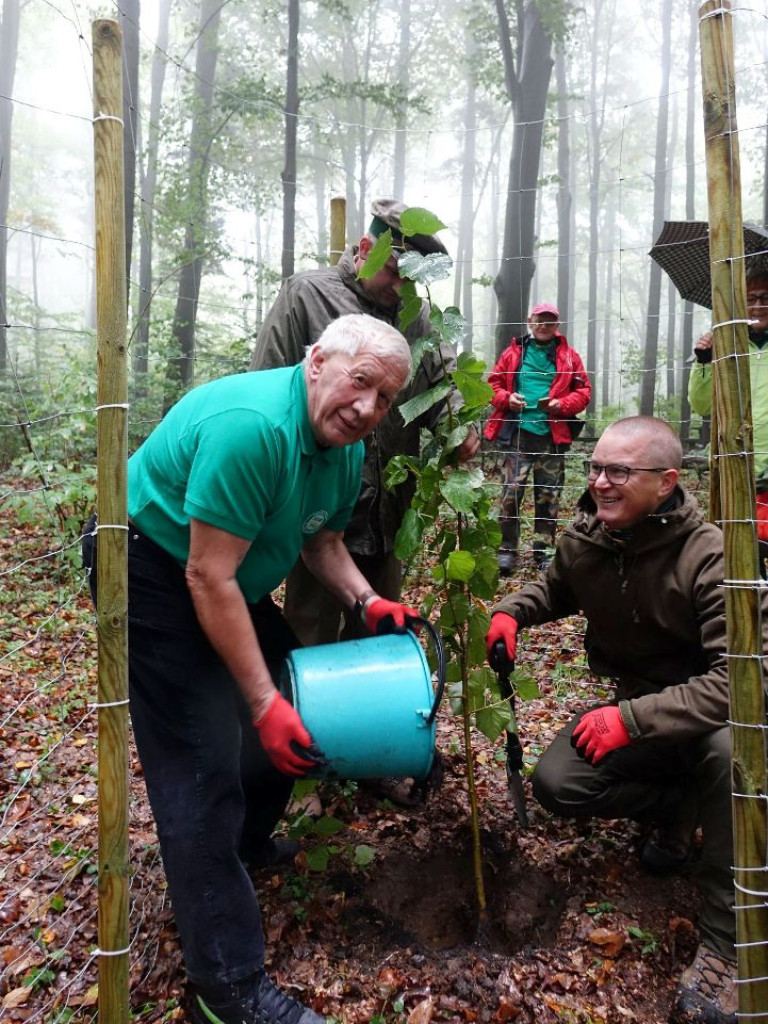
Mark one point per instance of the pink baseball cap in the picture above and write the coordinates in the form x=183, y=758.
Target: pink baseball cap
x=545, y=307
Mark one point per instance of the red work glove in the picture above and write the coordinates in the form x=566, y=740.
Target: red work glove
x=599, y=732
x=503, y=628
x=383, y=616
x=287, y=743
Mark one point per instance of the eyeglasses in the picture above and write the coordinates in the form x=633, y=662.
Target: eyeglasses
x=618, y=475
x=758, y=300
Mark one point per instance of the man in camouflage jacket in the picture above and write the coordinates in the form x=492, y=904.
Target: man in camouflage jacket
x=307, y=303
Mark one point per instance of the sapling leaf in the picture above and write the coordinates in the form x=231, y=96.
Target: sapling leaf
x=396, y=471
x=328, y=826
x=418, y=221
x=408, y=539
x=412, y=266
x=475, y=392
x=459, y=566
x=364, y=855
x=492, y=720
x=417, y=406
x=377, y=257
x=525, y=685
x=317, y=859
x=460, y=490
x=411, y=306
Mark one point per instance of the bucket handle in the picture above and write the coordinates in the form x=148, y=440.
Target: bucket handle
x=438, y=645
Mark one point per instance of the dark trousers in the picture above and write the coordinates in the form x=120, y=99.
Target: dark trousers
x=536, y=452
x=212, y=789
x=318, y=617
x=653, y=781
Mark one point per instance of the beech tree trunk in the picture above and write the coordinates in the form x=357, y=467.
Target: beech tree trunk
x=181, y=365
x=9, y=48
x=564, y=195
x=651, y=350
x=146, y=218
x=527, y=81
x=291, y=134
x=401, y=115
x=129, y=11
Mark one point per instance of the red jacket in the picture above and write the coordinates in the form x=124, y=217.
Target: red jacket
x=571, y=386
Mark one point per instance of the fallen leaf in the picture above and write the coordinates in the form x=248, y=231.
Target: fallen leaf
x=422, y=1012
x=16, y=997
x=611, y=941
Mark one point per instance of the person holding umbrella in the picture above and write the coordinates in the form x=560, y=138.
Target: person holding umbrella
x=700, y=385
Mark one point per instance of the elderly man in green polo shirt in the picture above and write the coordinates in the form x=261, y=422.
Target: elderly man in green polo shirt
x=242, y=476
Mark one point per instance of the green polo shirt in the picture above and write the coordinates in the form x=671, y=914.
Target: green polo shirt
x=535, y=377
x=239, y=453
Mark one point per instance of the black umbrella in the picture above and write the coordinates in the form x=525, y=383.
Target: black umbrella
x=682, y=250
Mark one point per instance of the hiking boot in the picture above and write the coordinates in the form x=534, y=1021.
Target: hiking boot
x=543, y=553
x=506, y=559
x=706, y=992
x=257, y=1001
x=269, y=853
x=668, y=850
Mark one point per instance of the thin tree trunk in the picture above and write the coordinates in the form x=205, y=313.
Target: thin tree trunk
x=671, y=290
x=651, y=350
x=564, y=198
x=465, y=253
x=690, y=211
x=181, y=365
x=9, y=48
x=291, y=134
x=147, y=216
x=401, y=115
x=321, y=199
x=129, y=11
x=527, y=86
x=594, y=141
x=606, y=363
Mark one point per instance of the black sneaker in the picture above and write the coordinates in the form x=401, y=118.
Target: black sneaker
x=263, y=1003
x=506, y=559
x=270, y=853
x=668, y=850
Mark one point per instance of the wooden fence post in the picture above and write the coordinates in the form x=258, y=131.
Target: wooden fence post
x=338, y=228
x=112, y=577
x=732, y=447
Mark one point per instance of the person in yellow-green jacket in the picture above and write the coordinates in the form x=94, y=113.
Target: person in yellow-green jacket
x=700, y=385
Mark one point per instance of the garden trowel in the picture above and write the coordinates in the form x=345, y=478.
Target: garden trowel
x=504, y=668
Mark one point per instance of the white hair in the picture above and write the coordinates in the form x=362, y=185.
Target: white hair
x=355, y=331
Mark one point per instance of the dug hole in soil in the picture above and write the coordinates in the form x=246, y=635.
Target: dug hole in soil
x=574, y=932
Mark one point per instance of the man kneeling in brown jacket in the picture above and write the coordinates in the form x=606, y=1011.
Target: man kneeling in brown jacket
x=646, y=571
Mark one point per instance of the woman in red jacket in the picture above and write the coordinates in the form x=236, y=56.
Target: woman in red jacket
x=539, y=384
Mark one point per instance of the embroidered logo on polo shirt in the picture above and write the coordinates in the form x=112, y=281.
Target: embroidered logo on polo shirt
x=314, y=522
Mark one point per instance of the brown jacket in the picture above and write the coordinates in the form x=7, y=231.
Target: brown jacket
x=655, y=612
x=307, y=303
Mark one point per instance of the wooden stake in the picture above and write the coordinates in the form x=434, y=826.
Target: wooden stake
x=338, y=228
x=733, y=465
x=112, y=574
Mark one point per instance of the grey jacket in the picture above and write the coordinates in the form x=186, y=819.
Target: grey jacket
x=307, y=303
x=655, y=611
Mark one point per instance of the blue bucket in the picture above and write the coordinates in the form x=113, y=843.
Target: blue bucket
x=369, y=704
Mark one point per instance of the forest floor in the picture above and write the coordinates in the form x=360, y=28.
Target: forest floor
x=575, y=931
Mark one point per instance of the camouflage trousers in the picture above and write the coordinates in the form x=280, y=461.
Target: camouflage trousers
x=538, y=453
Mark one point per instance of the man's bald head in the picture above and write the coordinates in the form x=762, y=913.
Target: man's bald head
x=653, y=438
